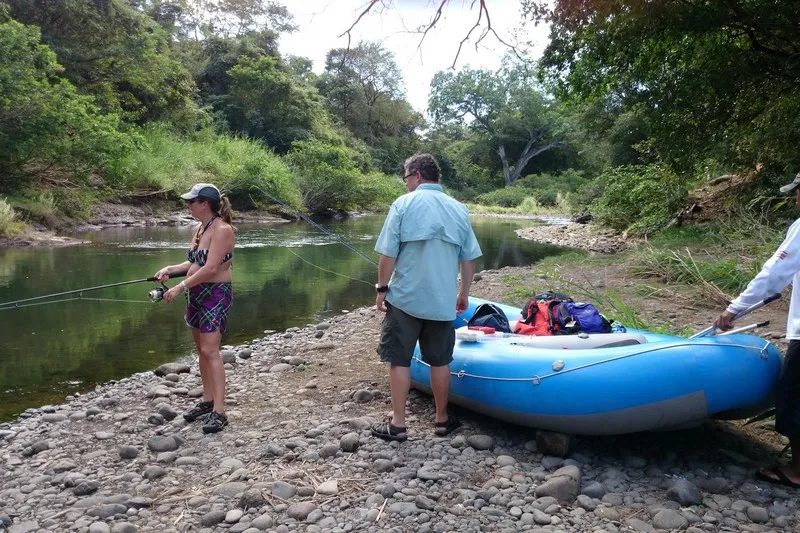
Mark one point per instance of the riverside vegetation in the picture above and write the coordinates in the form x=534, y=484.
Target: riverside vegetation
x=131, y=101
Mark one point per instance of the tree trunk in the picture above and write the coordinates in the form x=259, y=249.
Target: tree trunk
x=501, y=151
x=526, y=155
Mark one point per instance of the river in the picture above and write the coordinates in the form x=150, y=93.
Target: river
x=285, y=275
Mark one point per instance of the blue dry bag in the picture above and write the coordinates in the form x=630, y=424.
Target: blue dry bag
x=581, y=318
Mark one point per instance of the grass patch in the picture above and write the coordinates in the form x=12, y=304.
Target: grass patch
x=166, y=164
x=9, y=224
x=39, y=205
x=717, y=280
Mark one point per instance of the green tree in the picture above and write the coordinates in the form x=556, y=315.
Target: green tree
x=507, y=108
x=363, y=89
x=272, y=105
x=44, y=122
x=712, y=78
x=110, y=51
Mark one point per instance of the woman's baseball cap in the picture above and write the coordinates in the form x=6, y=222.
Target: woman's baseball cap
x=793, y=185
x=204, y=191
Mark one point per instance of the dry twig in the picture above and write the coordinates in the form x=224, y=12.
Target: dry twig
x=483, y=11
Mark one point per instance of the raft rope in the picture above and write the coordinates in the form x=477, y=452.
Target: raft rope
x=536, y=380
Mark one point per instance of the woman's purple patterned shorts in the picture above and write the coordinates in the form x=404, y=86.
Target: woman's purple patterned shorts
x=207, y=306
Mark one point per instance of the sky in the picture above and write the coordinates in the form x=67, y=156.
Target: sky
x=321, y=22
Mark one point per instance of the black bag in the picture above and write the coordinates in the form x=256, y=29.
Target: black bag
x=490, y=316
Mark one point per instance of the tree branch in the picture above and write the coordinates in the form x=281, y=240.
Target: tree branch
x=482, y=10
x=349, y=30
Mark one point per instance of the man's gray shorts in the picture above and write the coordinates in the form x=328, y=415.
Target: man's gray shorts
x=401, y=331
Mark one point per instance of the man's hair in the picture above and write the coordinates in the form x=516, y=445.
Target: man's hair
x=426, y=165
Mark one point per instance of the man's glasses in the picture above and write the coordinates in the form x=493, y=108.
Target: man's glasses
x=405, y=178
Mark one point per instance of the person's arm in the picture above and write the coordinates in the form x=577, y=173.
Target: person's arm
x=467, y=273
x=388, y=246
x=775, y=275
x=164, y=274
x=385, y=270
x=182, y=268
x=470, y=251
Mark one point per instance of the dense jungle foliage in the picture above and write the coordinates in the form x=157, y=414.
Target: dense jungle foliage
x=632, y=105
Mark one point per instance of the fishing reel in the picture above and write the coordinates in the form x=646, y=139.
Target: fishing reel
x=157, y=294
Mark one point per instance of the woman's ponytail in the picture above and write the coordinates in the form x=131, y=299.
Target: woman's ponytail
x=225, y=210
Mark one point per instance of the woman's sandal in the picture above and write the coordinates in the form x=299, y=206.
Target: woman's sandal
x=442, y=429
x=388, y=431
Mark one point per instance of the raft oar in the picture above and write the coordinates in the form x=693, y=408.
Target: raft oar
x=745, y=328
x=710, y=330
x=15, y=303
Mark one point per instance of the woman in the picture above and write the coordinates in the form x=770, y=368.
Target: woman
x=209, y=295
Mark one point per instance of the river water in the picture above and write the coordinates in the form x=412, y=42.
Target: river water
x=285, y=275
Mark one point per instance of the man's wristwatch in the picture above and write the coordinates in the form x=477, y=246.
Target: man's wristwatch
x=381, y=288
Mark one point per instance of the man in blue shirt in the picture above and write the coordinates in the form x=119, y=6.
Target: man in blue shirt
x=426, y=237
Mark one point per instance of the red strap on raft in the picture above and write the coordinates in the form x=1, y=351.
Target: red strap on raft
x=485, y=329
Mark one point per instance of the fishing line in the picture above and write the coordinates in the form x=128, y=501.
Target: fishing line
x=318, y=226
x=319, y=267
x=16, y=303
x=74, y=300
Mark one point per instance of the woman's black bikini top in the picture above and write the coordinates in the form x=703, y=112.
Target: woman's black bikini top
x=200, y=255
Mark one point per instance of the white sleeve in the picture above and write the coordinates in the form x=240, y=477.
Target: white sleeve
x=775, y=275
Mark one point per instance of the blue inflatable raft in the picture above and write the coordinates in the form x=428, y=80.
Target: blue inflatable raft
x=607, y=384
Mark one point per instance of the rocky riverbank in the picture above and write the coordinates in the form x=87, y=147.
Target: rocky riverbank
x=298, y=456
x=118, y=215
x=585, y=236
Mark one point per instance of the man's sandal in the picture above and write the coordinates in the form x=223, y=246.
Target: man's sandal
x=388, y=431
x=442, y=429
x=775, y=475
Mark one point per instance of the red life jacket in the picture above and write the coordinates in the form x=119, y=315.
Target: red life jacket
x=539, y=319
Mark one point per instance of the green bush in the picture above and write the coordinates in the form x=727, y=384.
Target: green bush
x=639, y=199
x=329, y=179
x=547, y=198
x=379, y=190
x=9, y=225
x=581, y=199
x=567, y=181
x=75, y=203
x=241, y=168
x=511, y=196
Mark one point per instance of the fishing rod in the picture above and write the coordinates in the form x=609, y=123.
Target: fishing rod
x=16, y=303
x=316, y=225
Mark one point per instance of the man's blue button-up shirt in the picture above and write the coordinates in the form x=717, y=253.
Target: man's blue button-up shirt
x=429, y=234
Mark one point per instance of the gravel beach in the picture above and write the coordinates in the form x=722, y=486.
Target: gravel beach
x=298, y=456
